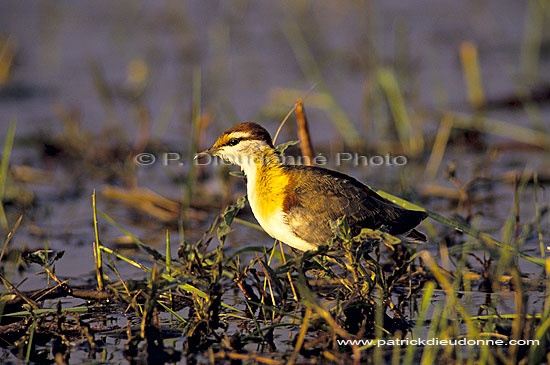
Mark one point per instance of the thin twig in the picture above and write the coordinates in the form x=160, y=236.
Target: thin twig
x=30, y=302
x=301, y=336
x=97, y=248
x=288, y=274
x=9, y=236
x=290, y=112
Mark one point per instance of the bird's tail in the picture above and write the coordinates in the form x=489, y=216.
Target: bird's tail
x=412, y=237
x=405, y=220
x=415, y=235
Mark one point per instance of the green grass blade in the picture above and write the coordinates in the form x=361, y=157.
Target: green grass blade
x=248, y=224
x=97, y=248
x=187, y=287
x=156, y=255
x=501, y=128
x=8, y=144
x=472, y=74
x=483, y=237
x=168, y=252
x=47, y=311
x=29, y=345
x=169, y=310
x=403, y=125
x=196, y=125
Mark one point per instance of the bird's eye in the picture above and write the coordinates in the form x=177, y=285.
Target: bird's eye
x=233, y=141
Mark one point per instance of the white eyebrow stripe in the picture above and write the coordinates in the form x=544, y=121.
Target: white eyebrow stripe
x=239, y=135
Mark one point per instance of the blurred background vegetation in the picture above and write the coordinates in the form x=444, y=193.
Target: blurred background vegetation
x=462, y=89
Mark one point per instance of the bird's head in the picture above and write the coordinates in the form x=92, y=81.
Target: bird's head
x=241, y=144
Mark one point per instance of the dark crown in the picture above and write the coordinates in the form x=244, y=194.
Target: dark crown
x=254, y=130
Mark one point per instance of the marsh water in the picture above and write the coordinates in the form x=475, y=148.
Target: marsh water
x=95, y=64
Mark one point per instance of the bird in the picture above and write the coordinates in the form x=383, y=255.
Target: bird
x=296, y=203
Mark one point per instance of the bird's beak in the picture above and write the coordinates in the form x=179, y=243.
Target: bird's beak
x=206, y=153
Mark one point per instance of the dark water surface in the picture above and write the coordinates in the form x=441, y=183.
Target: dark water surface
x=250, y=56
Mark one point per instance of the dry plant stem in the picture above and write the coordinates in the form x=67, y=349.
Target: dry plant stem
x=91, y=294
x=52, y=275
x=463, y=195
x=537, y=210
x=144, y=130
x=30, y=302
x=9, y=236
x=8, y=52
x=303, y=133
x=301, y=336
x=519, y=321
x=472, y=74
x=439, y=146
x=41, y=294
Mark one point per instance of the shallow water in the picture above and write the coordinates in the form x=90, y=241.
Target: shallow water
x=245, y=53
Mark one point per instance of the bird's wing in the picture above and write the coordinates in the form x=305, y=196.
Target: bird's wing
x=316, y=196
